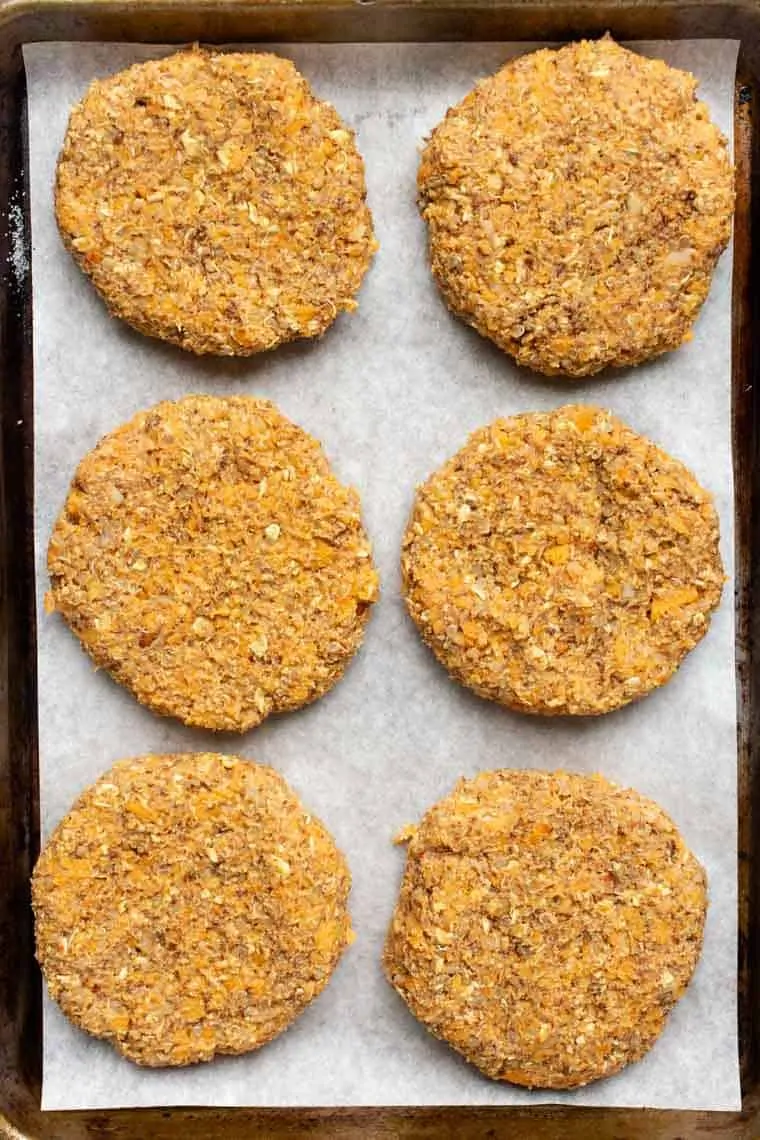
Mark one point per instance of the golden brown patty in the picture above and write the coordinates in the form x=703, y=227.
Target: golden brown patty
x=187, y=906
x=577, y=202
x=560, y=563
x=215, y=202
x=209, y=559
x=546, y=926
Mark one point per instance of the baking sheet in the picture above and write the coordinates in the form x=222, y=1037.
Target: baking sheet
x=392, y=392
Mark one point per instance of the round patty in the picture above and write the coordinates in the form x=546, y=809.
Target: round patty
x=577, y=202
x=207, y=557
x=215, y=202
x=546, y=926
x=560, y=563
x=187, y=906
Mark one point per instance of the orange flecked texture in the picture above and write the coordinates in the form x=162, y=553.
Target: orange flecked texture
x=560, y=563
x=209, y=559
x=577, y=202
x=546, y=926
x=187, y=906
x=215, y=202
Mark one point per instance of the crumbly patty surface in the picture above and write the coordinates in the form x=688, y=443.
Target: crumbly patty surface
x=189, y=905
x=215, y=202
x=547, y=924
x=209, y=559
x=560, y=563
x=577, y=202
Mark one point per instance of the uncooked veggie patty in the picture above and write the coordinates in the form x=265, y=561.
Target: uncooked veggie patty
x=215, y=202
x=210, y=560
x=577, y=202
x=189, y=905
x=546, y=926
x=561, y=563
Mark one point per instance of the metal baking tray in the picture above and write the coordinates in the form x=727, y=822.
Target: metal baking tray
x=349, y=21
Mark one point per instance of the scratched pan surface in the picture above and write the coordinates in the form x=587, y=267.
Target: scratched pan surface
x=23, y=21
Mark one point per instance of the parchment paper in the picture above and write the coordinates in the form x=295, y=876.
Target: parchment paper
x=392, y=392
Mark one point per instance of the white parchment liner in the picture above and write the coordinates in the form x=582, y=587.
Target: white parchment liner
x=392, y=392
